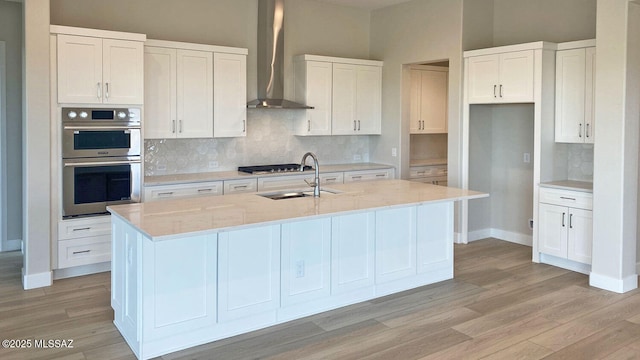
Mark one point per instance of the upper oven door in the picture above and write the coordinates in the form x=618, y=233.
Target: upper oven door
x=99, y=141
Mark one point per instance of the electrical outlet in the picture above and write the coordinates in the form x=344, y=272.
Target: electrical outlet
x=213, y=164
x=161, y=167
x=300, y=269
x=357, y=157
x=394, y=152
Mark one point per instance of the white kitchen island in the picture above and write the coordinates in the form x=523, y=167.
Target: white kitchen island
x=188, y=272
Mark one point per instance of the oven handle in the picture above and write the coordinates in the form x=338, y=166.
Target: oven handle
x=101, y=163
x=124, y=127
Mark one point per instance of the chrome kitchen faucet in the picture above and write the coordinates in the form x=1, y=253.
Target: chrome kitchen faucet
x=316, y=182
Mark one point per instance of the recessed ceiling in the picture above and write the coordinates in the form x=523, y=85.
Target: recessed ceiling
x=366, y=4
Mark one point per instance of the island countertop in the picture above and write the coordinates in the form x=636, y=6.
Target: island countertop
x=162, y=220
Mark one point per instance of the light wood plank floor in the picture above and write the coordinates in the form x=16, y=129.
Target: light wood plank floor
x=499, y=306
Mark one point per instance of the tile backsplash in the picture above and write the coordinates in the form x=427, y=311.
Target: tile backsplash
x=580, y=162
x=270, y=140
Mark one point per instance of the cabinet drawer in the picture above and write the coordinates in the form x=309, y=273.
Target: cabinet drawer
x=368, y=175
x=84, y=251
x=80, y=228
x=240, y=186
x=575, y=199
x=435, y=180
x=331, y=178
x=284, y=182
x=163, y=192
x=424, y=171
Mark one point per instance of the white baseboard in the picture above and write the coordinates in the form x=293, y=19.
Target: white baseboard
x=34, y=281
x=611, y=284
x=81, y=270
x=565, y=263
x=509, y=236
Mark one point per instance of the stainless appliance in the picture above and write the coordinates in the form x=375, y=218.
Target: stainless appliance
x=101, y=162
x=100, y=132
x=269, y=169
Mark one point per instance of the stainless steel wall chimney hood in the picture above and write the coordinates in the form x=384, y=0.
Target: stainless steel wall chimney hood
x=271, y=58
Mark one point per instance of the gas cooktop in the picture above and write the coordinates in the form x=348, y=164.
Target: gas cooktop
x=268, y=169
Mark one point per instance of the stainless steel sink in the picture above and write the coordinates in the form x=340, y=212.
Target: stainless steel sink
x=292, y=194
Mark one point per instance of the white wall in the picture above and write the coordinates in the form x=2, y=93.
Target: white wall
x=11, y=34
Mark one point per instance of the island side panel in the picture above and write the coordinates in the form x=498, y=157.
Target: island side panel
x=435, y=241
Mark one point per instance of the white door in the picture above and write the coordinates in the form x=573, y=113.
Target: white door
x=344, y=97
x=570, y=96
x=433, y=108
x=194, y=94
x=79, y=69
x=516, y=77
x=368, y=100
x=123, y=72
x=553, y=229
x=580, y=237
x=484, y=74
x=229, y=95
x=160, y=93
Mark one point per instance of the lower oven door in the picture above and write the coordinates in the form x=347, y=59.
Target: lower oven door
x=90, y=184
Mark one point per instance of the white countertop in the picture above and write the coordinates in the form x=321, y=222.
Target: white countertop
x=569, y=185
x=235, y=175
x=161, y=220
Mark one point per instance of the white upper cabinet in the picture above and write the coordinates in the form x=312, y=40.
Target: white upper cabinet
x=179, y=96
x=346, y=95
x=192, y=88
x=428, y=112
x=93, y=70
x=356, y=99
x=314, y=87
x=501, y=78
x=229, y=95
x=574, y=95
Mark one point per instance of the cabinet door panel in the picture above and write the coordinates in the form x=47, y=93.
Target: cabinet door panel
x=433, y=108
x=230, y=95
x=123, y=72
x=580, y=237
x=344, y=99
x=395, y=244
x=484, y=74
x=318, y=94
x=79, y=69
x=553, y=229
x=194, y=94
x=249, y=281
x=352, y=252
x=306, y=253
x=368, y=100
x=160, y=92
x=434, y=237
x=570, y=96
x=590, y=86
x=516, y=77
x=415, y=124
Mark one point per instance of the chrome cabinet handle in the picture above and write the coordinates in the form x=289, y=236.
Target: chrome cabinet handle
x=563, y=216
x=354, y=125
x=570, y=221
x=106, y=94
x=82, y=229
x=244, y=126
x=180, y=126
x=580, y=131
x=99, y=88
x=168, y=193
x=567, y=198
x=240, y=187
x=587, y=130
x=308, y=125
x=500, y=90
x=81, y=252
x=205, y=190
x=494, y=91
x=358, y=125
x=173, y=126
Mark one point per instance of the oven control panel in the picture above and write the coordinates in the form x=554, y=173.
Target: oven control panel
x=130, y=115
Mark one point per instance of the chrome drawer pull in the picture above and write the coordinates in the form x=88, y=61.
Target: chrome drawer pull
x=567, y=198
x=82, y=229
x=81, y=252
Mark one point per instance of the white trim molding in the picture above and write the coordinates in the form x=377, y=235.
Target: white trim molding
x=513, y=237
x=612, y=284
x=34, y=281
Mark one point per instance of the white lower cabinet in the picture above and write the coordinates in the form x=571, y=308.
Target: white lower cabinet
x=248, y=272
x=566, y=225
x=368, y=175
x=84, y=241
x=240, y=186
x=352, y=252
x=434, y=225
x=306, y=261
x=176, y=191
x=395, y=244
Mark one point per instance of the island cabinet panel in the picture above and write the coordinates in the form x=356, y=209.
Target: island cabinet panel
x=434, y=234
x=249, y=272
x=306, y=264
x=352, y=252
x=183, y=272
x=395, y=244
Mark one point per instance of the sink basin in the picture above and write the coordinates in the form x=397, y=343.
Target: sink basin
x=292, y=194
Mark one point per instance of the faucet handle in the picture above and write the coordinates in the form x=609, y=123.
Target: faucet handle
x=312, y=184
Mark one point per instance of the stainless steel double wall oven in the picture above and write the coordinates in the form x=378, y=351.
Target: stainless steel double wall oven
x=101, y=162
